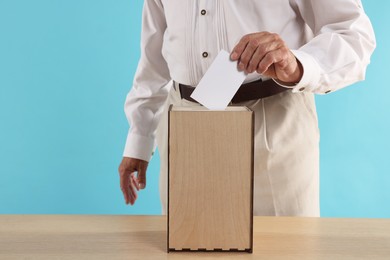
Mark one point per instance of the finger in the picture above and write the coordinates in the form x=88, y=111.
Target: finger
x=259, y=54
x=261, y=44
x=270, y=58
x=135, y=182
x=131, y=196
x=133, y=188
x=240, y=47
x=124, y=180
x=133, y=191
x=247, y=54
x=141, y=176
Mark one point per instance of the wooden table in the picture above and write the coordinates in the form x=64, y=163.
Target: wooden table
x=145, y=237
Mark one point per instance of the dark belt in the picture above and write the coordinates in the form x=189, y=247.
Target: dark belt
x=249, y=91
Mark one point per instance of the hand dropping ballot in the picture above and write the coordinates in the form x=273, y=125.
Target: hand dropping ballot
x=220, y=83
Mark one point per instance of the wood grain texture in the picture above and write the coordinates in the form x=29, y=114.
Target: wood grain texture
x=144, y=237
x=210, y=179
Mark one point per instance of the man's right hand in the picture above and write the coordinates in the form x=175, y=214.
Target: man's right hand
x=128, y=182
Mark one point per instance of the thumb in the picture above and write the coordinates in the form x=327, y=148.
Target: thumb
x=141, y=175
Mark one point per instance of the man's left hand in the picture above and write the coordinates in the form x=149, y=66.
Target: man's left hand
x=269, y=55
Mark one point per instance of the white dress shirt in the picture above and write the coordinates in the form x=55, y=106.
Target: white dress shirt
x=333, y=40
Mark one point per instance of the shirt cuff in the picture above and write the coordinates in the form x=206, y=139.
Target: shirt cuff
x=139, y=147
x=311, y=73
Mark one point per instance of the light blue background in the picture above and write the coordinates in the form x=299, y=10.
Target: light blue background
x=65, y=69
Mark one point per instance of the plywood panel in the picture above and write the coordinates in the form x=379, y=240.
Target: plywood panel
x=210, y=179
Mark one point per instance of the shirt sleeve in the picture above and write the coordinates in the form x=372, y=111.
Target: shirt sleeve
x=340, y=51
x=144, y=102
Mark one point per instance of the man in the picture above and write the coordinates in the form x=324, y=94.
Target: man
x=291, y=50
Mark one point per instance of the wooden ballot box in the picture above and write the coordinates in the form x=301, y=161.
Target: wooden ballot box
x=210, y=179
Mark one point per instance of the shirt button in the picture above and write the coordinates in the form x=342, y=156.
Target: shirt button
x=301, y=89
x=203, y=12
x=205, y=54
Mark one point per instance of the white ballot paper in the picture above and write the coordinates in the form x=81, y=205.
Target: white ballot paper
x=220, y=83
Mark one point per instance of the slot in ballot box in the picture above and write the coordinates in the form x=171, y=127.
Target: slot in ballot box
x=210, y=179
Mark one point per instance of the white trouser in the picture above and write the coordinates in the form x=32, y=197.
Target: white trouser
x=286, y=166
